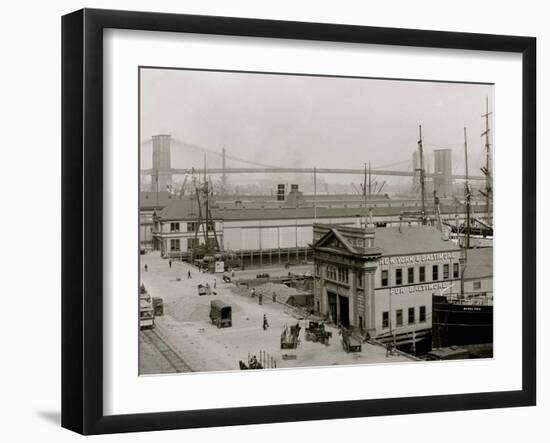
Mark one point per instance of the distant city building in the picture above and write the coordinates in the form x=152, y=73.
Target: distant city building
x=281, y=192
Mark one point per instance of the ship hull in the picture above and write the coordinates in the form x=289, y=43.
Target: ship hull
x=460, y=324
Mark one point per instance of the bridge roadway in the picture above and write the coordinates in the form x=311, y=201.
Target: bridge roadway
x=350, y=171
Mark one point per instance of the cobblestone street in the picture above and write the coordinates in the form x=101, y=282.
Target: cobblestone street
x=186, y=325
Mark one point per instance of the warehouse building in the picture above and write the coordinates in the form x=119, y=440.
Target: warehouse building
x=478, y=274
x=263, y=234
x=150, y=204
x=176, y=229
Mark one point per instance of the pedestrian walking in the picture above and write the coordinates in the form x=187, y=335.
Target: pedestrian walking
x=170, y=263
x=274, y=297
x=253, y=292
x=260, y=297
x=214, y=283
x=145, y=268
x=266, y=324
x=232, y=273
x=189, y=274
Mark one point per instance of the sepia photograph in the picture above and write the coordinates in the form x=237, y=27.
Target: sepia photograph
x=290, y=220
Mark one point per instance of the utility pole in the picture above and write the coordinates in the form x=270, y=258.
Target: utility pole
x=370, y=182
x=197, y=225
x=157, y=187
x=364, y=185
x=487, y=168
x=206, y=210
x=206, y=245
x=422, y=175
x=224, y=175
x=315, y=194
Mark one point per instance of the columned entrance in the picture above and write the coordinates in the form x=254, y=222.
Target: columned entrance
x=344, y=311
x=338, y=306
x=332, y=306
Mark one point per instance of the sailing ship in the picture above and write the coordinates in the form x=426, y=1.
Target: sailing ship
x=466, y=319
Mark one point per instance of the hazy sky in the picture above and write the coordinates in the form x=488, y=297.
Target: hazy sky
x=285, y=120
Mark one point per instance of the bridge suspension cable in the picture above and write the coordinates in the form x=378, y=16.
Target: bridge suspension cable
x=219, y=154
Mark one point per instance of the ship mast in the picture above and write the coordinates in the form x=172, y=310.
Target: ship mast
x=467, y=197
x=422, y=175
x=364, y=189
x=488, y=193
x=437, y=212
x=467, y=193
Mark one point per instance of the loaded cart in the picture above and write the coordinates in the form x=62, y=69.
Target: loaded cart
x=316, y=332
x=220, y=314
x=158, y=306
x=349, y=342
x=290, y=337
x=205, y=289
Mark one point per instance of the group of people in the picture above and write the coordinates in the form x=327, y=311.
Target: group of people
x=261, y=296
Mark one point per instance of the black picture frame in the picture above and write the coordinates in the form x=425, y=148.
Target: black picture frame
x=82, y=218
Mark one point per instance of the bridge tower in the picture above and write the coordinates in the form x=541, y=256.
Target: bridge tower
x=161, y=176
x=443, y=170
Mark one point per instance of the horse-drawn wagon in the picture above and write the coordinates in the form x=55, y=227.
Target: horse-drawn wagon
x=290, y=337
x=316, y=332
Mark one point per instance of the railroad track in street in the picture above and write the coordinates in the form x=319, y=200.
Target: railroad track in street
x=151, y=337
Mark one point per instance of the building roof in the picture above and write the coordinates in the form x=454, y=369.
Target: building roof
x=184, y=208
x=479, y=263
x=412, y=240
x=333, y=240
x=154, y=200
x=176, y=210
x=406, y=240
x=303, y=212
